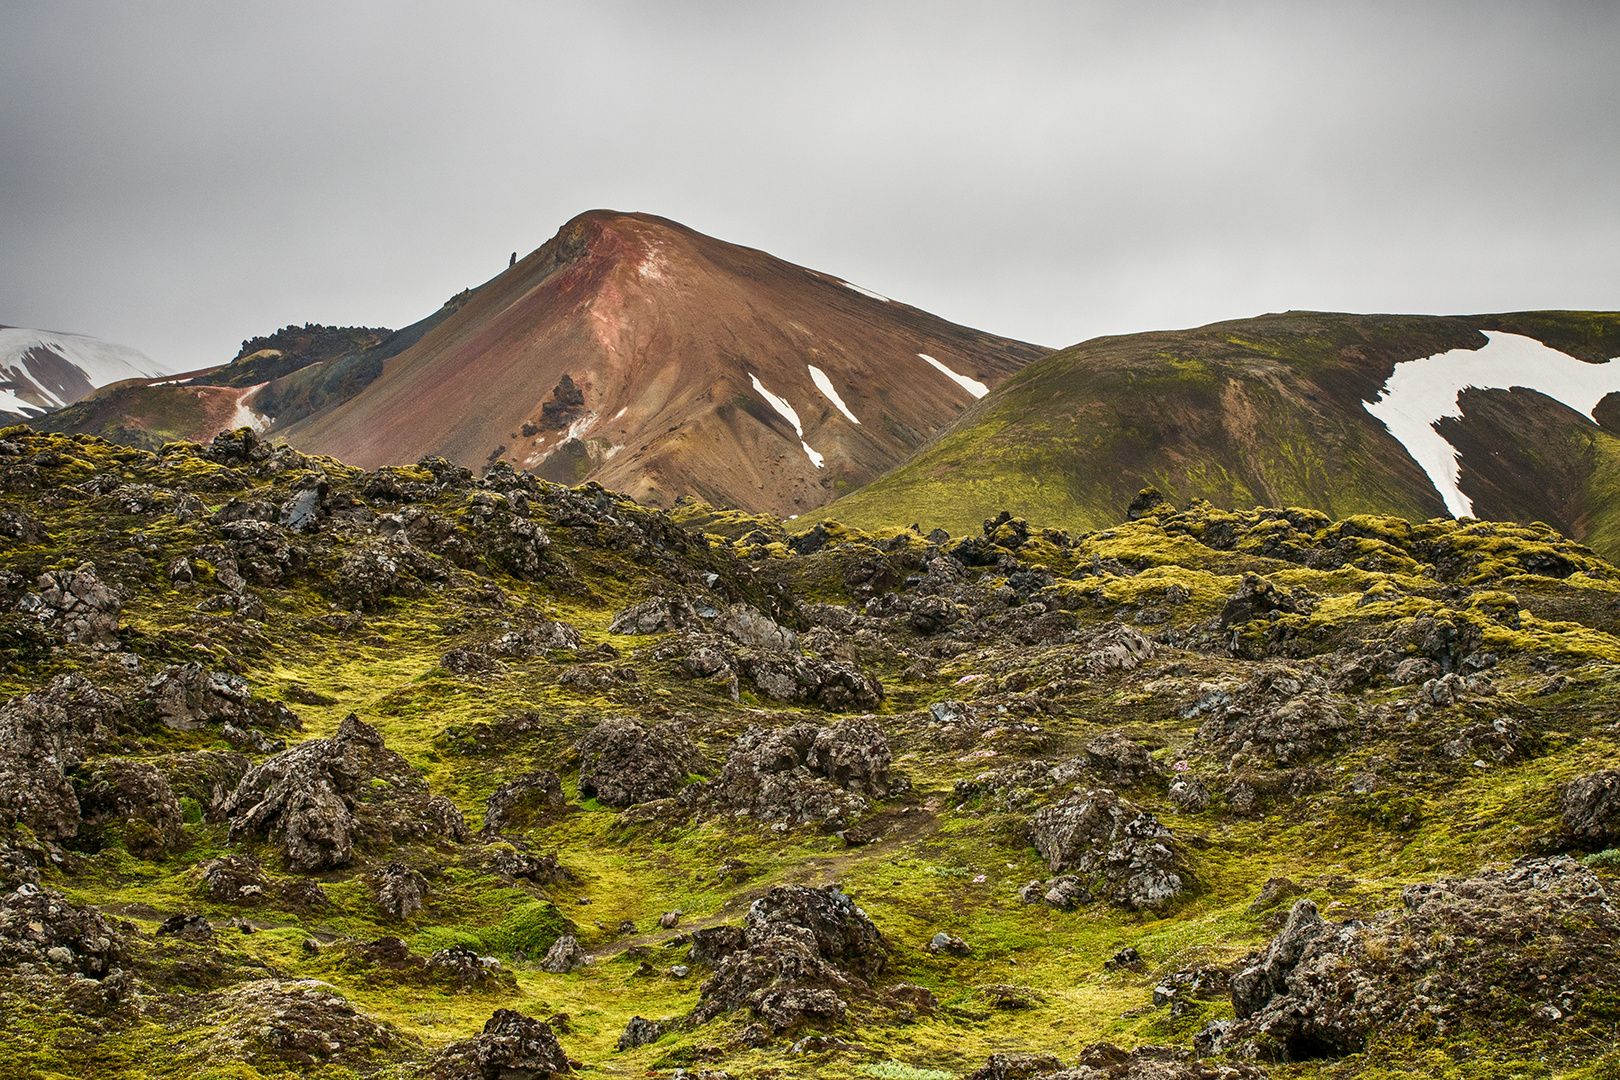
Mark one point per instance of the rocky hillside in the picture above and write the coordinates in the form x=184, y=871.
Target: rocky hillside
x=638, y=353
x=1501, y=417
x=313, y=770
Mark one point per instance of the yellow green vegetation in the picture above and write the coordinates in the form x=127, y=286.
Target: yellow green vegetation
x=1035, y=647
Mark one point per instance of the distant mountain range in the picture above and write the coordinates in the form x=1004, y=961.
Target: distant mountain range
x=633, y=351
x=41, y=371
x=1512, y=416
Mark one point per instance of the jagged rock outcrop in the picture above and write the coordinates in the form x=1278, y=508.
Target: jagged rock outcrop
x=1496, y=947
x=623, y=762
x=1278, y=717
x=190, y=697
x=655, y=616
x=523, y=800
x=133, y=800
x=303, y=1023
x=233, y=879
x=564, y=956
x=78, y=605
x=804, y=955
x=43, y=736
x=1591, y=809
x=399, y=890
x=1116, y=851
x=40, y=926
x=320, y=799
x=511, y=1047
x=803, y=774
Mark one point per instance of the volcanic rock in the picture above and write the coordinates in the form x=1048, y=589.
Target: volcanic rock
x=78, y=604
x=511, y=1047
x=1120, y=852
x=1591, y=806
x=134, y=800
x=523, y=800
x=318, y=799
x=40, y=926
x=623, y=763
x=564, y=956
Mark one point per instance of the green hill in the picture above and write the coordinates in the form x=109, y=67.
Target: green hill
x=1264, y=411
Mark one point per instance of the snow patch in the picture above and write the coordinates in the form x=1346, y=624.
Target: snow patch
x=246, y=417
x=1419, y=393
x=864, y=292
x=579, y=427
x=621, y=412
x=815, y=458
x=825, y=385
x=972, y=386
x=11, y=403
x=783, y=409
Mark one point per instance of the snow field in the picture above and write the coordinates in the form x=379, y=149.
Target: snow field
x=1419, y=393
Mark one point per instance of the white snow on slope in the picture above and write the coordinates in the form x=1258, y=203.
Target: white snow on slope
x=101, y=361
x=11, y=403
x=1420, y=392
x=864, y=292
x=825, y=385
x=972, y=386
x=786, y=412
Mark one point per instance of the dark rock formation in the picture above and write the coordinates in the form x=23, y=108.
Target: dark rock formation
x=1591, y=806
x=319, y=799
x=523, y=800
x=133, y=801
x=78, y=605
x=805, y=953
x=623, y=763
x=1121, y=853
x=511, y=1047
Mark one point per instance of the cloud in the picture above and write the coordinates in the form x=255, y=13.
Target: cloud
x=180, y=176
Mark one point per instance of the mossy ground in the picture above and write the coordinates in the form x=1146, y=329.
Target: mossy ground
x=941, y=864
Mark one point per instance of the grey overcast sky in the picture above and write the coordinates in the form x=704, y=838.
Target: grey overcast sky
x=179, y=176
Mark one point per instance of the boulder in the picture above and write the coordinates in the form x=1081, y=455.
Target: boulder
x=190, y=697
x=1117, y=851
x=564, y=956
x=623, y=763
x=656, y=616
x=303, y=1023
x=43, y=736
x=462, y=967
x=1119, y=762
x=233, y=879
x=132, y=802
x=318, y=799
x=805, y=953
x=188, y=925
x=511, y=1047
x=639, y=1032
x=523, y=800
x=1591, y=809
x=399, y=890
x=1463, y=953
x=748, y=626
x=40, y=926
x=804, y=774
x=949, y=944
x=78, y=604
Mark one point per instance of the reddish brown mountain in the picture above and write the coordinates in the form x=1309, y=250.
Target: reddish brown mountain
x=636, y=352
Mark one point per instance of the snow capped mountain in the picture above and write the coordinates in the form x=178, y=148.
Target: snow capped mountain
x=41, y=370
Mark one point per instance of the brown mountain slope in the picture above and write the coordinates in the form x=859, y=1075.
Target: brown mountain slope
x=627, y=349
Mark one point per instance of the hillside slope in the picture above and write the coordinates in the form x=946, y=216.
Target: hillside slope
x=1279, y=410
x=658, y=361
x=307, y=770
